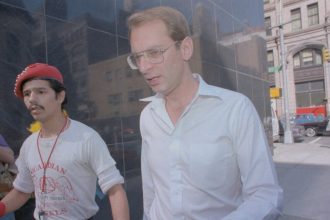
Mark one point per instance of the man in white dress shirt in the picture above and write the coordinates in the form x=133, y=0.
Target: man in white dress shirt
x=204, y=149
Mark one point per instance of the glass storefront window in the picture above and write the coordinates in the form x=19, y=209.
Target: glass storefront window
x=317, y=98
x=317, y=85
x=301, y=87
x=310, y=93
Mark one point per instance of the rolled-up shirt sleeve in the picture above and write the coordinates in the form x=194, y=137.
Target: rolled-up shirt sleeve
x=23, y=181
x=103, y=163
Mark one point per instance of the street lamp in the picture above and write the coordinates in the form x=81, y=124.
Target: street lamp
x=288, y=138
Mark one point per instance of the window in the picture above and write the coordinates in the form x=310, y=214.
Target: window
x=310, y=93
x=296, y=61
x=302, y=87
x=270, y=58
x=129, y=72
x=317, y=85
x=313, y=14
x=318, y=57
x=114, y=99
x=307, y=58
x=267, y=26
x=296, y=19
x=109, y=76
x=135, y=95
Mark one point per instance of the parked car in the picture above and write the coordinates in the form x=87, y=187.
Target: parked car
x=313, y=124
x=302, y=119
x=298, y=131
x=316, y=128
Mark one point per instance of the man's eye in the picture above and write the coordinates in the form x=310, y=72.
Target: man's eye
x=153, y=53
x=137, y=57
x=25, y=94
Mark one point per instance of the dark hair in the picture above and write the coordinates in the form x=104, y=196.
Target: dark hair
x=54, y=84
x=58, y=87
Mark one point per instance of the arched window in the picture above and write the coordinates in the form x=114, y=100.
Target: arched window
x=307, y=58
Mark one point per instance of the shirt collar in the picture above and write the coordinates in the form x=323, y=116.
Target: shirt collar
x=204, y=89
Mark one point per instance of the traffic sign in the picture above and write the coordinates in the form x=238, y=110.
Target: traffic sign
x=274, y=69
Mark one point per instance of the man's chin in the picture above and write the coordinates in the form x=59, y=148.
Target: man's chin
x=36, y=117
x=157, y=89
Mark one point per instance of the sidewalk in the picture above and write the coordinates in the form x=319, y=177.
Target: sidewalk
x=304, y=173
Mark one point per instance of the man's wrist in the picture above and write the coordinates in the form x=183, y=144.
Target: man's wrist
x=2, y=209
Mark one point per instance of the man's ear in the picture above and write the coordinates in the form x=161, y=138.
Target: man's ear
x=187, y=48
x=61, y=96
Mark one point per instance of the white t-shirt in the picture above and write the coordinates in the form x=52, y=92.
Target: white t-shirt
x=79, y=158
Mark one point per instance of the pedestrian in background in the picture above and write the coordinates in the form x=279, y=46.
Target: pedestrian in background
x=62, y=161
x=6, y=153
x=6, y=177
x=204, y=150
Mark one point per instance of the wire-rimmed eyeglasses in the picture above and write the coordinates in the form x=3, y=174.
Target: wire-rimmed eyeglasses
x=153, y=55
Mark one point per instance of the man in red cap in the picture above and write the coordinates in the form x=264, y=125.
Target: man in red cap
x=62, y=162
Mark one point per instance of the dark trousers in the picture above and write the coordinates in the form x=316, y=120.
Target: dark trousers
x=26, y=211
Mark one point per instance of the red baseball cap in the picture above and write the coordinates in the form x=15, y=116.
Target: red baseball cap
x=36, y=70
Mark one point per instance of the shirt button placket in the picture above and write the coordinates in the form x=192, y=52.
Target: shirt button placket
x=176, y=179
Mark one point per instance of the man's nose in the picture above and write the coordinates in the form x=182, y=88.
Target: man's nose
x=32, y=97
x=144, y=64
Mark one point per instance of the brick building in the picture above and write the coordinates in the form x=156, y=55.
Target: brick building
x=306, y=28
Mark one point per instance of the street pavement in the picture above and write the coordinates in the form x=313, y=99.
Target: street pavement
x=304, y=173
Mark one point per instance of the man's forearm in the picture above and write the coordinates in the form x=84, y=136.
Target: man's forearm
x=15, y=199
x=119, y=203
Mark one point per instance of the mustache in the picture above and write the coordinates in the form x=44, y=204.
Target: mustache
x=35, y=106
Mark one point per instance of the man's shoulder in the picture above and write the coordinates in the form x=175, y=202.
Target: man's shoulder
x=30, y=140
x=80, y=127
x=32, y=136
x=145, y=112
x=226, y=95
x=210, y=90
x=82, y=131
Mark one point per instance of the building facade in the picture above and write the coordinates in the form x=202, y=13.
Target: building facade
x=87, y=40
x=306, y=28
